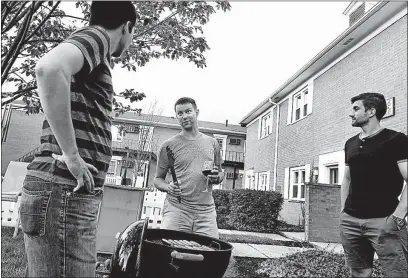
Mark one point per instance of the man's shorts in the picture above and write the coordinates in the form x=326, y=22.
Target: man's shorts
x=204, y=223
x=362, y=237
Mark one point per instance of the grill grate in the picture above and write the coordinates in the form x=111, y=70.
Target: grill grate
x=186, y=244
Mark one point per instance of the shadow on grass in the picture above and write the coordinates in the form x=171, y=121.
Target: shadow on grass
x=13, y=257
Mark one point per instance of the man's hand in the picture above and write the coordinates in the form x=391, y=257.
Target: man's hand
x=80, y=170
x=174, y=189
x=214, y=178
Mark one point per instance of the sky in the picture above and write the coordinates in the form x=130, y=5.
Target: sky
x=254, y=48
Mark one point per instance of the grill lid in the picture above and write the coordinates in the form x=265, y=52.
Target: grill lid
x=126, y=258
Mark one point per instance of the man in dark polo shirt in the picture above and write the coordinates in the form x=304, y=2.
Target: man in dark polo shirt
x=62, y=189
x=373, y=196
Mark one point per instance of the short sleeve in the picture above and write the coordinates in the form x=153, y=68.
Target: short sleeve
x=345, y=155
x=94, y=45
x=162, y=159
x=400, y=148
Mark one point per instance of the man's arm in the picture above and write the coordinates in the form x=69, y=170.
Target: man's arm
x=402, y=209
x=162, y=185
x=345, y=187
x=54, y=72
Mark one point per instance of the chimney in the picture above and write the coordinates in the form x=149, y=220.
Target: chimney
x=226, y=122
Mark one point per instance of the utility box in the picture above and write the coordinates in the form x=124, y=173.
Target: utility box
x=121, y=206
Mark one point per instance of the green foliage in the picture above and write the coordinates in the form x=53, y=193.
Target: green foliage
x=164, y=29
x=248, y=210
x=311, y=263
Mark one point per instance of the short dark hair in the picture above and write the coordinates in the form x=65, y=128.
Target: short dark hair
x=373, y=100
x=112, y=14
x=185, y=100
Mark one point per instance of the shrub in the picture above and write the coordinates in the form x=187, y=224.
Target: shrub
x=222, y=206
x=312, y=263
x=248, y=210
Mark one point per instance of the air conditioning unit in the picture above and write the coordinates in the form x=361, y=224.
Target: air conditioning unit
x=234, y=141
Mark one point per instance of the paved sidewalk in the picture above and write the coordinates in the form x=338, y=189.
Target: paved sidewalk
x=264, y=235
x=326, y=246
x=263, y=251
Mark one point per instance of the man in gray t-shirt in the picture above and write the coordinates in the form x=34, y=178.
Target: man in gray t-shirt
x=189, y=205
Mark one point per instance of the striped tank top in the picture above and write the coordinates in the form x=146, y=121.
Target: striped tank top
x=91, y=105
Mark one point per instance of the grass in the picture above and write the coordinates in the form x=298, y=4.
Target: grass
x=311, y=263
x=13, y=257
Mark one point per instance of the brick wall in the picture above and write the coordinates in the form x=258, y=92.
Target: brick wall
x=23, y=136
x=322, y=213
x=379, y=65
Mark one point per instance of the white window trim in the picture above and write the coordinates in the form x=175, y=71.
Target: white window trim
x=333, y=166
x=330, y=159
x=116, y=136
x=291, y=109
x=306, y=168
x=260, y=174
x=116, y=159
x=224, y=143
x=270, y=112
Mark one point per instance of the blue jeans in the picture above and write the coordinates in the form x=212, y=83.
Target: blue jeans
x=362, y=237
x=59, y=229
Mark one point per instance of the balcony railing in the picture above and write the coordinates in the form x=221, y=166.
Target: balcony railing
x=134, y=145
x=233, y=156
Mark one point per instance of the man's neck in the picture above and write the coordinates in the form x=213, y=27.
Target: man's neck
x=191, y=134
x=370, y=128
x=114, y=38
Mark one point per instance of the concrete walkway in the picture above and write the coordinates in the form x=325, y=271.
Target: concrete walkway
x=274, y=251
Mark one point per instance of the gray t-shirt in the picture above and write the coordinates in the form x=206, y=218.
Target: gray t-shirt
x=189, y=157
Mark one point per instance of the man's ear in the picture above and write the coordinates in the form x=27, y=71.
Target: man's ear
x=372, y=112
x=198, y=112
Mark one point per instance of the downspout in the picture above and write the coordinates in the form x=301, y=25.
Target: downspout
x=275, y=162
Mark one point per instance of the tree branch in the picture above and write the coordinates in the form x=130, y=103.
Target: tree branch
x=18, y=16
x=156, y=25
x=42, y=23
x=8, y=61
x=70, y=16
x=46, y=40
x=17, y=95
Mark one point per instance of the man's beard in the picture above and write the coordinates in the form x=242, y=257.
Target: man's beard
x=360, y=123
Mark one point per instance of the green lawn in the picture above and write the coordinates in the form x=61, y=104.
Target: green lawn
x=313, y=263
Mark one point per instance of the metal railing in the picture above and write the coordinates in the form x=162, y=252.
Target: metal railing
x=233, y=156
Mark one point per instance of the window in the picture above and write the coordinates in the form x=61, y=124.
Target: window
x=301, y=105
x=230, y=175
x=112, y=167
x=234, y=141
x=334, y=174
x=116, y=135
x=266, y=125
x=297, y=183
x=263, y=183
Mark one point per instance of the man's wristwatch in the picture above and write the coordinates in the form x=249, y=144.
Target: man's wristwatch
x=401, y=222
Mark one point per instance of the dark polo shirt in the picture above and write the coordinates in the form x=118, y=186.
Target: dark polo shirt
x=376, y=181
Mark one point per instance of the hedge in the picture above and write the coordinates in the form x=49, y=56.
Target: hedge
x=248, y=210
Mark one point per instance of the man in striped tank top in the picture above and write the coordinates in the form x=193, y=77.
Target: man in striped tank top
x=62, y=189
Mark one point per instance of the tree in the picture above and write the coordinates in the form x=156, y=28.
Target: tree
x=139, y=152
x=164, y=29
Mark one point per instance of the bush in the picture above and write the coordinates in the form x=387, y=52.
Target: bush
x=312, y=263
x=222, y=206
x=248, y=210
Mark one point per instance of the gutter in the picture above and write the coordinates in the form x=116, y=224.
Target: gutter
x=322, y=53
x=176, y=126
x=275, y=161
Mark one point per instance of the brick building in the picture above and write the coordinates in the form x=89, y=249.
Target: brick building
x=144, y=135
x=298, y=133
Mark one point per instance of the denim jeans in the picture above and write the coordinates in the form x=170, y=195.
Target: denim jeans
x=59, y=229
x=362, y=237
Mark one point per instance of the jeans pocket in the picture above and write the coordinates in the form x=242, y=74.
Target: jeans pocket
x=33, y=211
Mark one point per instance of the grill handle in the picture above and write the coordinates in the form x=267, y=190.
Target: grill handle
x=187, y=256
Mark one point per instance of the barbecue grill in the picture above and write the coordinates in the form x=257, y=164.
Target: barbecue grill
x=149, y=253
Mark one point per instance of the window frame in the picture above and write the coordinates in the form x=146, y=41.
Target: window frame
x=298, y=184
x=302, y=103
